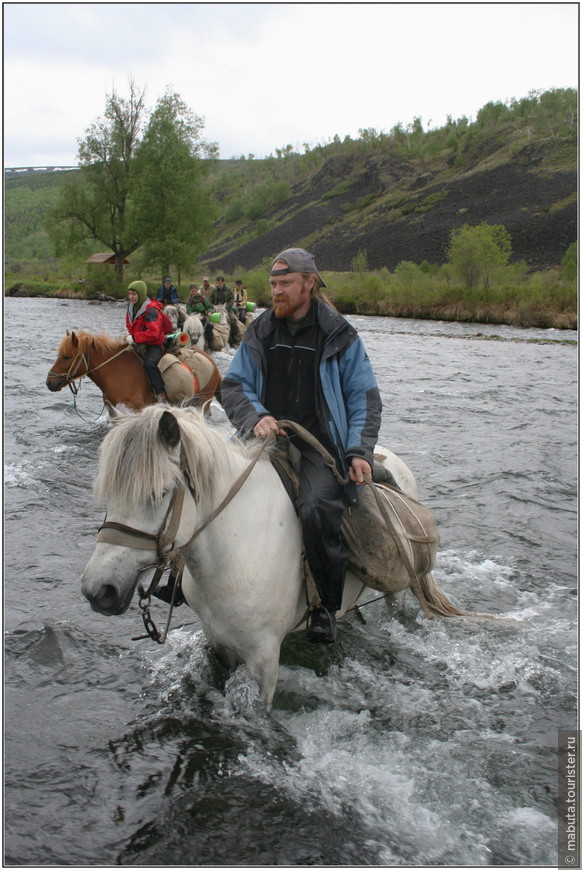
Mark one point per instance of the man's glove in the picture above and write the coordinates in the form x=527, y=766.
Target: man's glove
x=129, y=339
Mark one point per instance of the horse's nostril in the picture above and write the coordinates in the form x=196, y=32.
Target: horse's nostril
x=107, y=600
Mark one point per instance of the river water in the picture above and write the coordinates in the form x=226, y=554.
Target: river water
x=408, y=742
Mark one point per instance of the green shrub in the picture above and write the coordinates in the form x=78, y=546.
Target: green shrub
x=263, y=226
x=280, y=192
x=234, y=211
x=257, y=207
x=103, y=279
x=257, y=284
x=359, y=263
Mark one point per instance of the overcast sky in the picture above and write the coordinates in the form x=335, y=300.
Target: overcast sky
x=267, y=75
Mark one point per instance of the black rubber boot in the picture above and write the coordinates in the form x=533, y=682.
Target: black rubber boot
x=165, y=592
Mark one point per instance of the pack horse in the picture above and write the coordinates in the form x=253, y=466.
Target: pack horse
x=119, y=373
x=173, y=484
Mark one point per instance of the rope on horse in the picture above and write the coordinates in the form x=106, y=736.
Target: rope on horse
x=415, y=582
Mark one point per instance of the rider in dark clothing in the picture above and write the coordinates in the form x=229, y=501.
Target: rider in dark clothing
x=167, y=293
x=303, y=361
x=221, y=294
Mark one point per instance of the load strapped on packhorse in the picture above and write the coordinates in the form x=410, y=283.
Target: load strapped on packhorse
x=187, y=371
x=391, y=538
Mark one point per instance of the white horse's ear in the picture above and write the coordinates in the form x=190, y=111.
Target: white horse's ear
x=169, y=430
x=115, y=415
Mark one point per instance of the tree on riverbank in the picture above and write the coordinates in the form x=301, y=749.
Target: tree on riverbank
x=111, y=202
x=476, y=252
x=173, y=210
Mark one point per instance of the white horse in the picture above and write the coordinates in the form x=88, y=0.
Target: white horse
x=162, y=474
x=194, y=328
x=176, y=313
x=191, y=324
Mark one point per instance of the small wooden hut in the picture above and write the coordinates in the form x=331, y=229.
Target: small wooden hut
x=105, y=258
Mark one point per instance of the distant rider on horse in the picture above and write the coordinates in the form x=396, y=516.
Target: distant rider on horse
x=168, y=294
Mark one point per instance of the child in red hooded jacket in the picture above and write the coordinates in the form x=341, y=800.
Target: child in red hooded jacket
x=145, y=327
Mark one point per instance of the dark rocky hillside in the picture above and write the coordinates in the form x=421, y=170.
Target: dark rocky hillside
x=397, y=210
x=395, y=196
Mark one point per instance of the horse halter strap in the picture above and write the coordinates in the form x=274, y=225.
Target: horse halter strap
x=71, y=374
x=127, y=536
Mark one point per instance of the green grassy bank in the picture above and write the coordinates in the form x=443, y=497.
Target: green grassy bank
x=541, y=299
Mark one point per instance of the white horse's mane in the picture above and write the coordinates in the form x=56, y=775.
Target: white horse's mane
x=135, y=467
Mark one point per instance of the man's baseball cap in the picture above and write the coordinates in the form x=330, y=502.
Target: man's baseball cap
x=298, y=260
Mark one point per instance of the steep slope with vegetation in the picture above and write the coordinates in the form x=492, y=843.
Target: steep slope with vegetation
x=472, y=221
x=398, y=196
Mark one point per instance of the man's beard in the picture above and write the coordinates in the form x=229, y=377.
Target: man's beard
x=283, y=307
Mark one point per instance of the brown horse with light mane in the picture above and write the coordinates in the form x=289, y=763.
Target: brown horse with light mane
x=115, y=368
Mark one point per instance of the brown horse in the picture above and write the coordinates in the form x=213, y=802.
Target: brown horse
x=114, y=367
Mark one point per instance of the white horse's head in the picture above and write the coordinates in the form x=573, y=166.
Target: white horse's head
x=193, y=327
x=144, y=460
x=224, y=318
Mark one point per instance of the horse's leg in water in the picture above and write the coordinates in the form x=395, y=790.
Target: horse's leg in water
x=395, y=602
x=263, y=666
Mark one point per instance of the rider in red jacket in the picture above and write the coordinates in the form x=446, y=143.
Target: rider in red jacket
x=145, y=327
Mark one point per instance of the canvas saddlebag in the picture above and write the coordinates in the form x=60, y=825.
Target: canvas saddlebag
x=201, y=367
x=388, y=535
x=179, y=381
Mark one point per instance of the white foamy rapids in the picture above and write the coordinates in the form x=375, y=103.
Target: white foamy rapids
x=183, y=657
x=17, y=475
x=409, y=751
x=415, y=801
x=413, y=733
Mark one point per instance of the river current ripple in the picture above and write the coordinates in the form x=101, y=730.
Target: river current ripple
x=409, y=742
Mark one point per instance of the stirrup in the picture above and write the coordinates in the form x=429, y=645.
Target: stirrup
x=322, y=626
